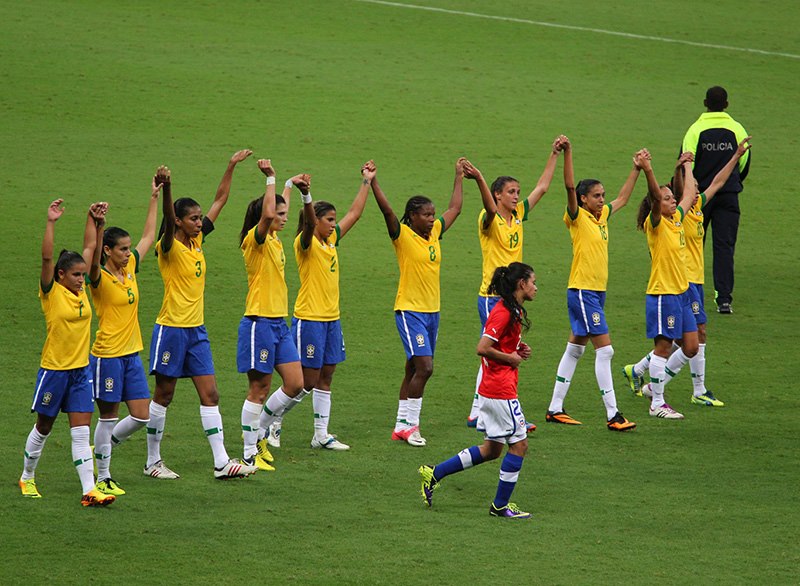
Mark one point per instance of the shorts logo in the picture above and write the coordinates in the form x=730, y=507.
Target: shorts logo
x=109, y=384
x=695, y=307
x=671, y=321
x=263, y=355
x=310, y=349
x=596, y=318
x=46, y=398
x=420, y=340
x=165, y=357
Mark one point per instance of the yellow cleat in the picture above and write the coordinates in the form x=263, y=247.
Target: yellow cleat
x=109, y=486
x=263, y=451
x=95, y=498
x=28, y=488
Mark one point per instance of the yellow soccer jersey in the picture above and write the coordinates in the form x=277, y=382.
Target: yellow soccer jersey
x=667, y=244
x=183, y=270
x=318, y=266
x=69, y=328
x=693, y=225
x=266, y=284
x=589, y=249
x=419, y=260
x=117, y=306
x=501, y=242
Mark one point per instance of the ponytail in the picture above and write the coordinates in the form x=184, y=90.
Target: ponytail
x=504, y=283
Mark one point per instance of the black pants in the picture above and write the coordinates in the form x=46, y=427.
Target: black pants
x=722, y=212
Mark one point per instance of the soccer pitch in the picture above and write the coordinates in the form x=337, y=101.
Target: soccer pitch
x=97, y=95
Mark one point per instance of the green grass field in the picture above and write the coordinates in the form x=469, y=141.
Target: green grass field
x=97, y=95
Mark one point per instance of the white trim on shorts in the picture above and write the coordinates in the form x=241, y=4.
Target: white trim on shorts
x=96, y=381
x=660, y=333
x=158, y=346
x=583, y=311
x=408, y=334
x=39, y=388
x=253, y=345
x=299, y=336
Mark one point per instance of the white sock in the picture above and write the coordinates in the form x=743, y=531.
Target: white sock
x=250, y=414
x=602, y=370
x=155, y=431
x=476, y=406
x=82, y=456
x=274, y=408
x=414, y=411
x=657, y=365
x=102, y=447
x=643, y=365
x=566, y=368
x=697, y=365
x=401, y=422
x=212, y=425
x=675, y=363
x=126, y=428
x=322, y=412
x=33, y=449
x=295, y=401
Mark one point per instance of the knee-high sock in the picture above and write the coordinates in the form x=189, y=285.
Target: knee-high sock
x=212, y=424
x=697, y=364
x=33, y=450
x=250, y=414
x=602, y=370
x=102, y=447
x=566, y=368
x=294, y=402
x=675, y=363
x=657, y=365
x=274, y=408
x=322, y=412
x=476, y=405
x=466, y=458
x=402, y=415
x=414, y=411
x=82, y=456
x=126, y=428
x=155, y=431
x=509, y=473
x=643, y=366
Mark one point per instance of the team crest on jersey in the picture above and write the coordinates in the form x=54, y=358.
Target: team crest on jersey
x=420, y=340
x=109, y=384
x=263, y=355
x=695, y=307
x=596, y=318
x=46, y=398
x=310, y=349
x=671, y=321
x=165, y=357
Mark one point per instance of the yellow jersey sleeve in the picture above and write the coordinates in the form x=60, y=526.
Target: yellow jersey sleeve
x=266, y=284
x=419, y=260
x=693, y=227
x=183, y=270
x=69, y=327
x=589, y=249
x=501, y=242
x=318, y=266
x=667, y=243
x=117, y=305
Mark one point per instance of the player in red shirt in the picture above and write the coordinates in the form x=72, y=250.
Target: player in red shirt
x=501, y=419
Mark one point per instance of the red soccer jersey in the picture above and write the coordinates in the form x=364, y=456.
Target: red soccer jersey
x=499, y=380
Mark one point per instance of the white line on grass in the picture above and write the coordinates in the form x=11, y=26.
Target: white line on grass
x=583, y=29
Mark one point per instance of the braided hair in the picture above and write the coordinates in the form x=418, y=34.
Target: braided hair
x=504, y=283
x=413, y=206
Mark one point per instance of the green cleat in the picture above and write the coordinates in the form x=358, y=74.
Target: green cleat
x=109, y=486
x=707, y=399
x=429, y=484
x=28, y=488
x=634, y=381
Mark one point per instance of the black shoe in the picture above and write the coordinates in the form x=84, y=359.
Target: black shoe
x=724, y=308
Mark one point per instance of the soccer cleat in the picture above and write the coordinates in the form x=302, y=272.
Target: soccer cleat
x=234, y=469
x=259, y=463
x=472, y=422
x=724, y=308
x=647, y=391
x=530, y=427
x=28, y=488
x=429, y=483
x=510, y=511
x=410, y=436
x=263, y=450
x=274, y=435
x=329, y=443
x=619, y=423
x=159, y=470
x=707, y=399
x=109, y=486
x=634, y=381
x=665, y=412
x=561, y=417
x=95, y=498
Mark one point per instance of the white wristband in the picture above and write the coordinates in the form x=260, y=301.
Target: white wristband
x=306, y=197
x=270, y=180
x=288, y=184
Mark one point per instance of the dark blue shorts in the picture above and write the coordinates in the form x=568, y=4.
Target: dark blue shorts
x=697, y=299
x=418, y=332
x=180, y=352
x=669, y=316
x=318, y=342
x=118, y=379
x=587, y=316
x=263, y=343
x=68, y=391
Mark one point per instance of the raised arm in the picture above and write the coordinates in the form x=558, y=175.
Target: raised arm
x=224, y=189
x=149, y=230
x=678, y=178
x=569, y=179
x=352, y=216
x=472, y=172
x=302, y=182
x=689, y=191
x=168, y=209
x=54, y=212
x=457, y=199
x=309, y=218
x=392, y=223
x=93, y=239
x=627, y=188
x=268, y=204
x=653, y=190
x=547, y=175
x=720, y=178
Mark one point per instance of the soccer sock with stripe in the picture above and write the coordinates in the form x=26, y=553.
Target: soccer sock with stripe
x=33, y=450
x=476, y=406
x=697, y=364
x=401, y=422
x=657, y=365
x=155, y=431
x=273, y=408
x=295, y=401
x=125, y=429
x=102, y=447
x=250, y=414
x=414, y=411
x=82, y=456
x=643, y=365
x=675, y=363
x=566, y=368
x=212, y=425
x=461, y=461
x=509, y=473
x=322, y=413
x=602, y=370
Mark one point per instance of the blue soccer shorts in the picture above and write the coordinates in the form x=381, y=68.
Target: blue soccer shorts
x=418, y=332
x=263, y=343
x=68, y=391
x=318, y=342
x=587, y=315
x=180, y=352
x=118, y=379
x=669, y=316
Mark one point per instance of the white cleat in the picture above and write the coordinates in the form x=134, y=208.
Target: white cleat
x=329, y=443
x=665, y=412
x=235, y=468
x=159, y=470
x=274, y=435
x=415, y=439
x=647, y=391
